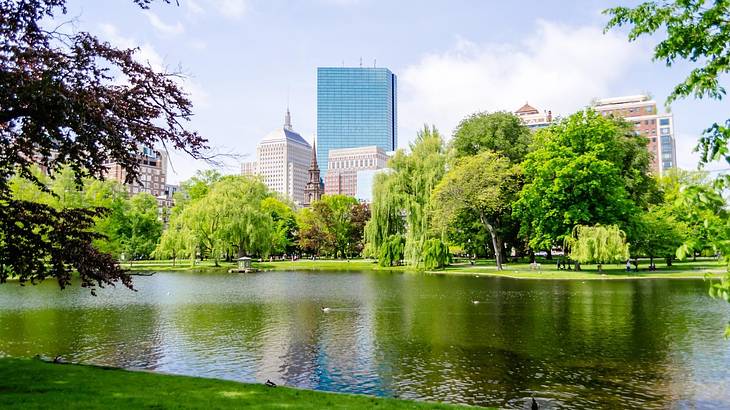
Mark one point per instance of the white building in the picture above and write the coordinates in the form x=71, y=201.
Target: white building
x=533, y=118
x=345, y=164
x=282, y=160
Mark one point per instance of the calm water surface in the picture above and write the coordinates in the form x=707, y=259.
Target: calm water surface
x=596, y=344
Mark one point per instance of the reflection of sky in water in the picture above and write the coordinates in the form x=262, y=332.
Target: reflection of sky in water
x=647, y=344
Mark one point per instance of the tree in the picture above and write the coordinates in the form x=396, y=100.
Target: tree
x=485, y=185
x=501, y=132
x=335, y=216
x=142, y=230
x=696, y=31
x=693, y=200
x=285, y=225
x=435, y=254
x=359, y=217
x=245, y=224
x=311, y=231
x=71, y=99
x=585, y=170
x=391, y=253
x=175, y=241
x=597, y=244
x=401, y=201
x=659, y=234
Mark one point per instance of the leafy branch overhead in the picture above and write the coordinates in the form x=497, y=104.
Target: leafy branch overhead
x=696, y=31
x=74, y=100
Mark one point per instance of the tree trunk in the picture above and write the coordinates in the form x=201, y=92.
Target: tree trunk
x=549, y=254
x=669, y=261
x=577, y=265
x=532, y=255
x=496, y=243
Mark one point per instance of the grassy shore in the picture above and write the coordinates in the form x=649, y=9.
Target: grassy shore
x=519, y=270
x=34, y=384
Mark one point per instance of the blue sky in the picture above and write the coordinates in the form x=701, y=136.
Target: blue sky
x=245, y=58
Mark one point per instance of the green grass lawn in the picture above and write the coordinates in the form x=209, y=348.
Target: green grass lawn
x=520, y=270
x=34, y=384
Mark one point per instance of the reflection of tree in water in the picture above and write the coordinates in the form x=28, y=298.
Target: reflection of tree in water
x=124, y=336
x=573, y=342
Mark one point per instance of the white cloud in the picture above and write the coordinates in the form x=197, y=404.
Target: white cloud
x=194, y=7
x=198, y=44
x=162, y=27
x=148, y=55
x=233, y=9
x=557, y=67
x=230, y=8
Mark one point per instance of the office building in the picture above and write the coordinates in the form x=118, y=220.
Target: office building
x=282, y=161
x=641, y=111
x=356, y=107
x=533, y=118
x=345, y=164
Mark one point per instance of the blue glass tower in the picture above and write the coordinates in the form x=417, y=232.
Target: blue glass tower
x=356, y=107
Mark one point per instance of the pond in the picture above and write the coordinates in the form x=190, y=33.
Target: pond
x=571, y=344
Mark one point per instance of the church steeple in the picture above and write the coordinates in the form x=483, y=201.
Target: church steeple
x=313, y=191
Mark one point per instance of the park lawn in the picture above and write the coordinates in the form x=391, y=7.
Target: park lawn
x=35, y=384
x=680, y=269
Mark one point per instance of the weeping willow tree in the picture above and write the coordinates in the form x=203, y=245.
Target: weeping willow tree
x=598, y=244
x=435, y=254
x=391, y=251
x=401, y=197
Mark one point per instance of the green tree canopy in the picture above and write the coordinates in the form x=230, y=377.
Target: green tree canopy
x=585, y=170
x=485, y=185
x=501, y=132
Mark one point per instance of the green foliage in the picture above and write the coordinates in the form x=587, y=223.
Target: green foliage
x=658, y=234
x=401, y=201
x=435, y=254
x=231, y=217
x=485, y=186
x=285, y=225
x=391, y=252
x=501, y=132
x=334, y=224
x=585, y=170
x=141, y=228
x=598, y=244
x=695, y=31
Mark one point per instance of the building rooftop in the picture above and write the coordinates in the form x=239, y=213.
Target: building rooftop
x=527, y=109
x=285, y=133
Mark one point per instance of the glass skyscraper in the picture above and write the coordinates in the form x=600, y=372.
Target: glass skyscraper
x=356, y=107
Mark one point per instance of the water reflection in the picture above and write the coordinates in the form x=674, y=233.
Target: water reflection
x=573, y=344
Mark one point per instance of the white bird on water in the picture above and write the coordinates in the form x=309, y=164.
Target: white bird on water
x=476, y=302
x=325, y=309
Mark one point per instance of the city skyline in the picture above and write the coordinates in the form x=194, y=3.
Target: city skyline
x=462, y=59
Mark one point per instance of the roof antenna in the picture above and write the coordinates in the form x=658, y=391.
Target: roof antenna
x=360, y=62
x=375, y=60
